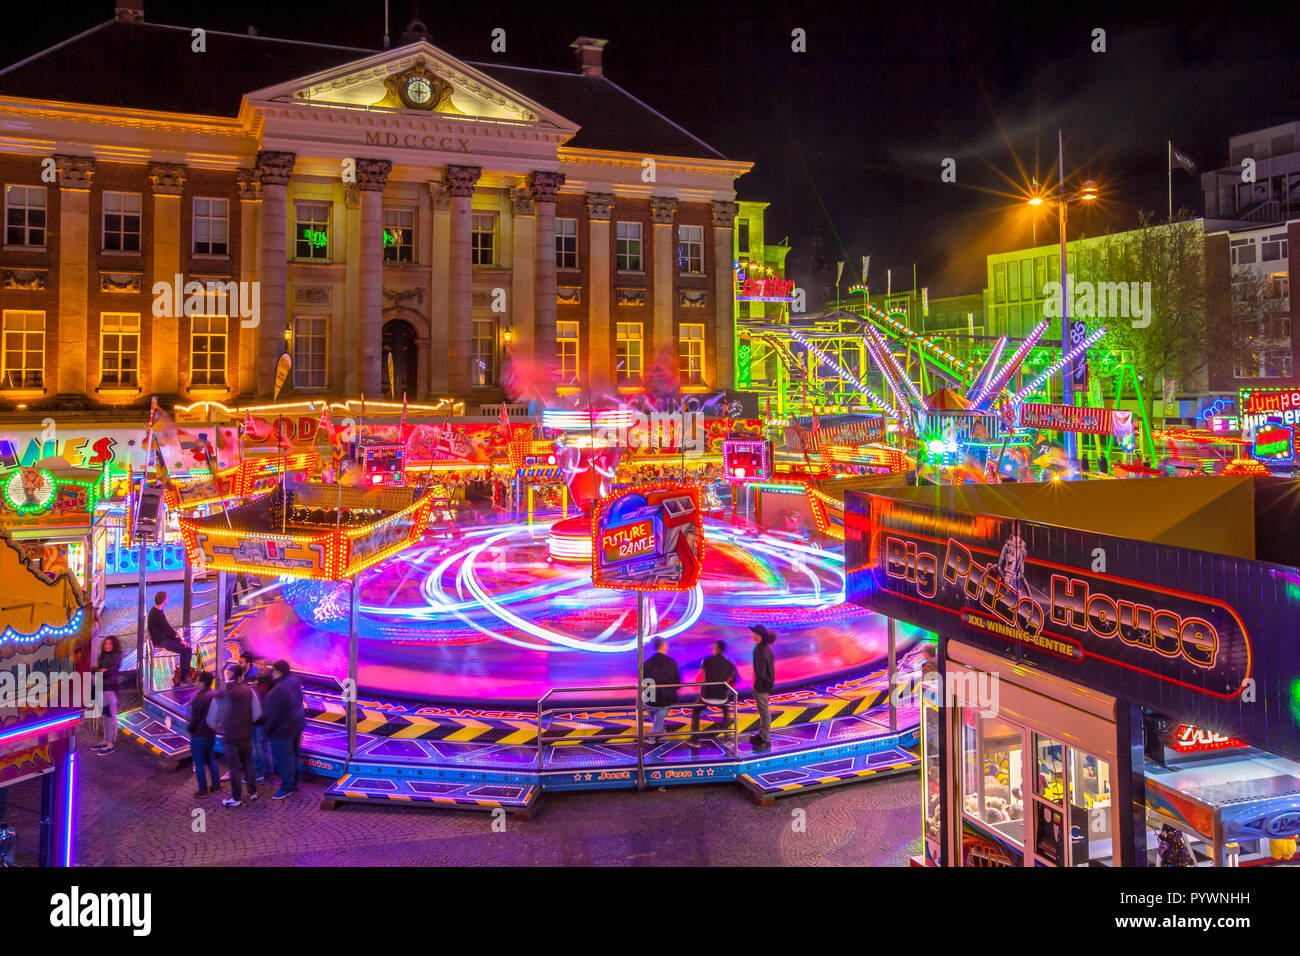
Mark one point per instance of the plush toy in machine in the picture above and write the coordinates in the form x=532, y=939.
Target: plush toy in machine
x=1281, y=849
x=1173, y=851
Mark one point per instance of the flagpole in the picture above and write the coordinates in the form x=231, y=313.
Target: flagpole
x=1169, y=173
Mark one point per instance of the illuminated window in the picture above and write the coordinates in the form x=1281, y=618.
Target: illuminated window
x=208, y=340
x=121, y=222
x=22, y=363
x=742, y=235
x=999, y=283
x=399, y=235
x=312, y=230
x=566, y=243
x=1013, y=282
x=690, y=351
x=629, y=352
x=483, y=364
x=1243, y=251
x=211, y=226
x=690, y=249
x=119, y=349
x=566, y=345
x=310, y=338
x=627, y=246
x=24, y=215
x=483, y=238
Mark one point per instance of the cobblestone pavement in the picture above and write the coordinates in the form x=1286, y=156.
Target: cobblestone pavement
x=132, y=813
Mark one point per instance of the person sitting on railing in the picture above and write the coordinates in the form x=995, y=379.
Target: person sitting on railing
x=716, y=672
x=662, y=674
x=163, y=636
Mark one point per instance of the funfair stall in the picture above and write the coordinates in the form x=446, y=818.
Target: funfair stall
x=1071, y=614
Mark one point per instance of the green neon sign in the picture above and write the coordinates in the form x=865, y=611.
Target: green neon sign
x=317, y=239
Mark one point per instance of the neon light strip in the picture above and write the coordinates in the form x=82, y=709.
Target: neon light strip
x=844, y=374
x=900, y=404
x=898, y=369
x=58, y=723
x=928, y=343
x=992, y=388
x=42, y=632
x=987, y=368
x=1051, y=370
x=69, y=790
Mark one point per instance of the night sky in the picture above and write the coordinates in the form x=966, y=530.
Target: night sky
x=849, y=136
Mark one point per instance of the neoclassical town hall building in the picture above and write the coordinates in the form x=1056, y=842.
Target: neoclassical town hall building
x=399, y=202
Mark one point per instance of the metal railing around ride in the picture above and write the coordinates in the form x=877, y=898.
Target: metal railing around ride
x=731, y=704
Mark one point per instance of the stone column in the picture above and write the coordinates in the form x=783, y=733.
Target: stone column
x=242, y=366
x=545, y=188
x=599, y=207
x=460, y=326
x=523, y=277
x=372, y=174
x=347, y=370
x=439, y=281
x=662, y=211
x=723, y=374
x=71, y=376
x=168, y=183
x=274, y=170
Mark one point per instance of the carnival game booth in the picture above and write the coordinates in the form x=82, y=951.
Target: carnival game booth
x=49, y=510
x=1070, y=616
x=46, y=625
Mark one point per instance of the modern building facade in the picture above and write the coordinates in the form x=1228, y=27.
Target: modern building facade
x=361, y=209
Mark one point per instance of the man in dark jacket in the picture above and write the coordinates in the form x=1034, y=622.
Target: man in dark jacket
x=163, y=635
x=283, y=722
x=764, y=682
x=716, y=672
x=661, y=672
x=239, y=708
x=203, y=739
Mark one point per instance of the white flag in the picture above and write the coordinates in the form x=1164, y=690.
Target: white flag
x=925, y=300
x=839, y=271
x=866, y=265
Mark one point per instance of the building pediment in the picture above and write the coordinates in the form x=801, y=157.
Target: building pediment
x=417, y=80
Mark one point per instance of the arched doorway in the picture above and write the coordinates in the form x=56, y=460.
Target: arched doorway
x=400, y=341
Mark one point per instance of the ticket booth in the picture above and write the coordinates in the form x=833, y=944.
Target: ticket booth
x=1073, y=620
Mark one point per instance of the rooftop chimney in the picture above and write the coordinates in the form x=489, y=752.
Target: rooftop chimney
x=588, y=50
x=129, y=10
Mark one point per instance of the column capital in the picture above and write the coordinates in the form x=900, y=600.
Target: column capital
x=461, y=180
x=439, y=194
x=372, y=174
x=545, y=186
x=250, y=186
x=724, y=214
x=521, y=202
x=599, y=206
x=663, y=209
x=75, y=172
x=167, y=179
x=274, y=168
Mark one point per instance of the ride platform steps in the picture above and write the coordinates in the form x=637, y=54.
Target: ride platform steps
x=362, y=787
x=819, y=773
x=163, y=736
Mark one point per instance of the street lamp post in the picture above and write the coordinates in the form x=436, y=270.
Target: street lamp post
x=1087, y=193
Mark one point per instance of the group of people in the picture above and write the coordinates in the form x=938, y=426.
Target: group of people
x=663, y=678
x=258, y=714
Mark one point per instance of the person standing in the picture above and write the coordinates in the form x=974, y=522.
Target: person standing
x=261, y=686
x=237, y=709
x=662, y=673
x=203, y=739
x=163, y=635
x=284, y=721
x=764, y=682
x=109, y=664
x=716, y=672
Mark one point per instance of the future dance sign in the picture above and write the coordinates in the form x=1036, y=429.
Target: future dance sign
x=1198, y=636
x=648, y=538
